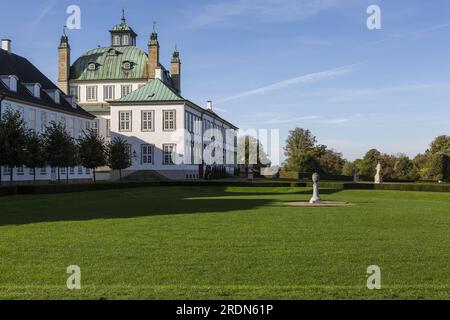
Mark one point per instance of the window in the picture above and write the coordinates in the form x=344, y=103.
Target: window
x=147, y=121
x=124, y=121
x=20, y=170
x=127, y=65
x=63, y=122
x=95, y=124
x=79, y=128
x=108, y=128
x=43, y=171
x=126, y=89
x=88, y=171
x=108, y=92
x=53, y=118
x=129, y=151
x=74, y=91
x=43, y=121
x=92, y=66
x=80, y=170
x=125, y=40
x=31, y=171
x=32, y=119
x=88, y=125
x=6, y=171
x=116, y=40
x=63, y=171
x=168, y=149
x=169, y=120
x=91, y=93
x=71, y=127
x=57, y=97
x=72, y=170
x=13, y=83
x=146, y=154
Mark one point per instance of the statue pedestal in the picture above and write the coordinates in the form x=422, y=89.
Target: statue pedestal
x=315, y=198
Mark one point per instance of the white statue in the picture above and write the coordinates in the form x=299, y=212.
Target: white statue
x=315, y=198
x=378, y=176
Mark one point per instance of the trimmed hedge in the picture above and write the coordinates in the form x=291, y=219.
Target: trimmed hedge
x=387, y=186
x=8, y=191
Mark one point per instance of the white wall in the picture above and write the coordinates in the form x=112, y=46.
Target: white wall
x=27, y=111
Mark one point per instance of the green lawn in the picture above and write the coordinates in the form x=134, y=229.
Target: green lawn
x=224, y=243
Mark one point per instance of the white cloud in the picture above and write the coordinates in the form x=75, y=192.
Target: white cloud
x=312, y=77
x=224, y=12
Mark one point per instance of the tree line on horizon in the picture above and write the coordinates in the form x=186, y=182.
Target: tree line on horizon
x=304, y=155
x=55, y=148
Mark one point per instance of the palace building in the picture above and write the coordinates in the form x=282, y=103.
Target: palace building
x=25, y=89
x=134, y=96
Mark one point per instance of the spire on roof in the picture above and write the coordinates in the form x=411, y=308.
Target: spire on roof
x=64, y=43
x=175, y=55
x=154, y=36
x=123, y=16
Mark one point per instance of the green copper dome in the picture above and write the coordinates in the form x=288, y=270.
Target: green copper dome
x=110, y=64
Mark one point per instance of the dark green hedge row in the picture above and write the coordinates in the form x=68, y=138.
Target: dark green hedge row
x=387, y=186
x=63, y=188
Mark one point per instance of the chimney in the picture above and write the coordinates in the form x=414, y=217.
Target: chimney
x=209, y=105
x=158, y=74
x=153, y=54
x=6, y=45
x=176, y=70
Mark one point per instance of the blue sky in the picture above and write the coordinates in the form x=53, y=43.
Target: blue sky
x=281, y=63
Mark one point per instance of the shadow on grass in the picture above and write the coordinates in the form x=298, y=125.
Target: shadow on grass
x=130, y=203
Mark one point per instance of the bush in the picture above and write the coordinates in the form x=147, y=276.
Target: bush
x=8, y=191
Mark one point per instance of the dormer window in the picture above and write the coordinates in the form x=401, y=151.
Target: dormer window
x=112, y=52
x=10, y=81
x=54, y=94
x=125, y=40
x=127, y=65
x=34, y=88
x=92, y=66
x=13, y=83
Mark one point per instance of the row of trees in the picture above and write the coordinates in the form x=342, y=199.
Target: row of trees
x=303, y=154
x=21, y=146
x=434, y=164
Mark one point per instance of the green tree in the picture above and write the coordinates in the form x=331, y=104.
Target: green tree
x=404, y=168
x=367, y=166
x=251, y=151
x=13, y=136
x=34, y=151
x=92, y=151
x=440, y=144
x=439, y=166
x=331, y=162
x=348, y=169
x=59, y=147
x=118, y=155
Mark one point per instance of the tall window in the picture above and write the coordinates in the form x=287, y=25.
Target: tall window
x=95, y=126
x=108, y=92
x=125, y=40
x=32, y=120
x=147, y=121
x=71, y=127
x=43, y=121
x=116, y=40
x=21, y=170
x=53, y=118
x=169, y=120
x=108, y=128
x=63, y=122
x=147, y=154
x=74, y=92
x=91, y=93
x=124, y=121
x=129, y=151
x=168, y=149
x=126, y=89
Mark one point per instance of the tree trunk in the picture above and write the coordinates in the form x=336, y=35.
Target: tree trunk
x=1, y=173
x=11, y=175
x=34, y=175
x=67, y=175
x=120, y=175
x=93, y=170
x=59, y=177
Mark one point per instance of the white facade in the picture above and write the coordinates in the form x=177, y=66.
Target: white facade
x=38, y=118
x=177, y=127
